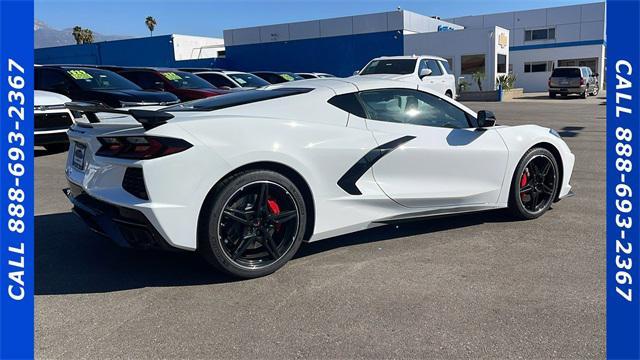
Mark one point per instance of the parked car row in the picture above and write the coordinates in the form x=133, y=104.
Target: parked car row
x=122, y=87
x=119, y=86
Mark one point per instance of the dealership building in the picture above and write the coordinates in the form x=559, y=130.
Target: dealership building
x=528, y=44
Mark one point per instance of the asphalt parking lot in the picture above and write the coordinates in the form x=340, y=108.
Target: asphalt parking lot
x=470, y=286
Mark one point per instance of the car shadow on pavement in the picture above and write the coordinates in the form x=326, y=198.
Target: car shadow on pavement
x=71, y=259
x=405, y=229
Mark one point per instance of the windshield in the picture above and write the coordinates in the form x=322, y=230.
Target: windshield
x=248, y=80
x=290, y=76
x=97, y=79
x=235, y=99
x=185, y=80
x=566, y=72
x=392, y=66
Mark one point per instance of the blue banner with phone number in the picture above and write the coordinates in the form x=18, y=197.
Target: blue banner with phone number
x=623, y=182
x=16, y=179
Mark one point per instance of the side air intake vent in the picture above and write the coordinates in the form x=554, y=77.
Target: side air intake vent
x=133, y=183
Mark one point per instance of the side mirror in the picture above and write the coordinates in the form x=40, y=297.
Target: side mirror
x=486, y=119
x=424, y=72
x=356, y=72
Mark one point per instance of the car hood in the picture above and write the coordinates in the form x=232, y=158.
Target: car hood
x=46, y=98
x=132, y=95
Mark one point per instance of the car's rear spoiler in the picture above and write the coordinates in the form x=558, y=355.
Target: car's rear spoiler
x=148, y=118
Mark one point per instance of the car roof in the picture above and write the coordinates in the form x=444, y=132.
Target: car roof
x=410, y=57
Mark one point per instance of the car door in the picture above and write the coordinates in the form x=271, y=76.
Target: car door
x=435, y=80
x=434, y=156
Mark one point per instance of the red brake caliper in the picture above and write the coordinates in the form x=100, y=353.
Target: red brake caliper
x=274, y=209
x=523, y=182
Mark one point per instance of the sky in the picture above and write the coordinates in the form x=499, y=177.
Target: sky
x=210, y=18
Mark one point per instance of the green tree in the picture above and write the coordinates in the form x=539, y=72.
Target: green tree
x=151, y=24
x=87, y=36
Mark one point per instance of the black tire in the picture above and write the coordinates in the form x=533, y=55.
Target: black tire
x=595, y=91
x=522, y=203
x=585, y=94
x=449, y=94
x=552, y=95
x=223, y=237
x=57, y=148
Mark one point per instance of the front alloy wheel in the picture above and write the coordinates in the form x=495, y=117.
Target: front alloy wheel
x=535, y=184
x=256, y=224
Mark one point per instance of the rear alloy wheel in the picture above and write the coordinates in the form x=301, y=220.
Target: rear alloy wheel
x=595, y=91
x=255, y=225
x=585, y=94
x=534, y=185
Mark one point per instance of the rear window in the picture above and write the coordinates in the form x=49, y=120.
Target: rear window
x=566, y=72
x=235, y=99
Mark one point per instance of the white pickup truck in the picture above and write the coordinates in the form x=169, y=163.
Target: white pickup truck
x=430, y=71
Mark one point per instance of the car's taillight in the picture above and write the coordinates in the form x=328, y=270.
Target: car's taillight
x=581, y=81
x=140, y=147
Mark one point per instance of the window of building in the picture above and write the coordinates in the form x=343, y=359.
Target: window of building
x=540, y=34
x=470, y=64
x=592, y=63
x=538, y=66
x=502, y=64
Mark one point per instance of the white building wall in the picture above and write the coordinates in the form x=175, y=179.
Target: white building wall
x=572, y=24
x=347, y=25
x=537, y=81
x=186, y=47
x=454, y=44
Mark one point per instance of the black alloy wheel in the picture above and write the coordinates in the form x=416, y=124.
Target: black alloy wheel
x=535, y=184
x=256, y=224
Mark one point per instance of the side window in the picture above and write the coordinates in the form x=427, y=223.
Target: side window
x=218, y=80
x=435, y=69
x=422, y=66
x=445, y=66
x=348, y=103
x=145, y=80
x=412, y=107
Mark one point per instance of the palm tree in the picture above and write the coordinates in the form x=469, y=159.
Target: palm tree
x=77, y=34
x=151, y=23
x=87, y=36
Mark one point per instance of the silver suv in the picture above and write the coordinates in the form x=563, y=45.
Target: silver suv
x=573, y=80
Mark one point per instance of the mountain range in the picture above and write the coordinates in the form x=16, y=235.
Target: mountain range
x=45, y=36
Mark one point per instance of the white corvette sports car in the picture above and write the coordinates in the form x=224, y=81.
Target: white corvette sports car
x=244, y=178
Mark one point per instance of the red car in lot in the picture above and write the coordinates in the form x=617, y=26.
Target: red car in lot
x=184, y=85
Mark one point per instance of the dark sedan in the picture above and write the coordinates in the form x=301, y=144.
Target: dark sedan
x=92, y=84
